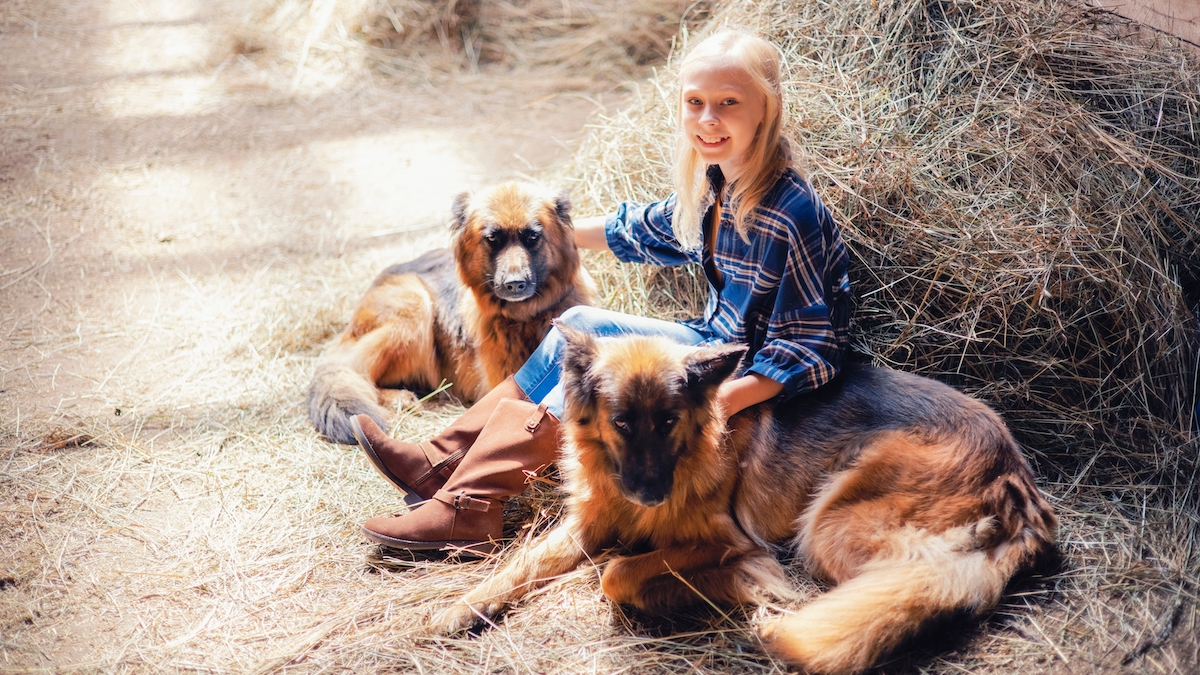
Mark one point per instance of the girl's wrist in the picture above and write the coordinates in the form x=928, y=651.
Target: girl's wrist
x=589, y=233
x=741, y=393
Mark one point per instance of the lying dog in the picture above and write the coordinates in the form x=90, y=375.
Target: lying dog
x=470, y=315
x=909, y=496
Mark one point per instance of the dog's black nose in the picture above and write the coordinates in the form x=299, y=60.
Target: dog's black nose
x=517, y=286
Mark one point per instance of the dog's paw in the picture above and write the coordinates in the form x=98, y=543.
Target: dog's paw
x=398, y=400
x=458, y=618
x=624, y=583
x=616, y=582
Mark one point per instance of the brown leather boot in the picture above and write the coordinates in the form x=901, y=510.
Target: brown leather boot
x=420, y=469
x=465, y=514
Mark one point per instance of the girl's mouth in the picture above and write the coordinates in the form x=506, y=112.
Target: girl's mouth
x=711, y=141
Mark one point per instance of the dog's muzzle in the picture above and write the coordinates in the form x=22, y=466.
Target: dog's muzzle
x=514, y=287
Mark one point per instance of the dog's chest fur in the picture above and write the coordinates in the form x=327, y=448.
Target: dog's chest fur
x=699, y=506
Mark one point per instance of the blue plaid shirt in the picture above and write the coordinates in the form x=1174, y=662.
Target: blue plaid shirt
x=786, y=294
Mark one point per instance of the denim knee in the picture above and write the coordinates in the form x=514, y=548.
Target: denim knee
x=583, y=318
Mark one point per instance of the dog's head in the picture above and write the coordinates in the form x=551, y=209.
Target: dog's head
x=641, y=404
x=514, y=243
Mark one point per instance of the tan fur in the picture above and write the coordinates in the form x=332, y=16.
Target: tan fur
x=910, y=497
x=407, y=332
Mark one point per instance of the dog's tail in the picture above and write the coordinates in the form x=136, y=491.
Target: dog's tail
x=336, y=394
x=922, y=576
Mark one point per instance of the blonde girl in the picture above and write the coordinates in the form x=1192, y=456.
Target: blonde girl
x=776, y=270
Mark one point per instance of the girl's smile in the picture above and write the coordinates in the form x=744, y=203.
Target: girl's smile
x=721, y=113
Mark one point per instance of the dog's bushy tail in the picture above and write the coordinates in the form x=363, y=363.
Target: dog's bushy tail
x=336, y=394
x=847, y=629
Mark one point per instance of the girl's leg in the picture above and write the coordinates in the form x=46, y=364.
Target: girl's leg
x=420, y=469
x=464, y=511
x=540, y=377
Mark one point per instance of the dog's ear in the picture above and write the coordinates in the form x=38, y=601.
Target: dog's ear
x=459, y=211
x=562, y=207
x=708, y=367
x=578, y=356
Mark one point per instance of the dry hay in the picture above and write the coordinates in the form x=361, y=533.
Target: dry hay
x=206, y=527
x=581, y=40
x=1019, y=185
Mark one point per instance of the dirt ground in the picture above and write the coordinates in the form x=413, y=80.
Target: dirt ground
x=180, y=234
x=186, y=217
x=142, y=160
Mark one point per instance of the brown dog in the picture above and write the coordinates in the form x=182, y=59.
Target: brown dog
x=470, y=315
x=911, y=497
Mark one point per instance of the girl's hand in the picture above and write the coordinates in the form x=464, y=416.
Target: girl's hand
x=734, y=396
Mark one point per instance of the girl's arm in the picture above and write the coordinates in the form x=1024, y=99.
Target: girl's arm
x=743, y=392
x=589, y=233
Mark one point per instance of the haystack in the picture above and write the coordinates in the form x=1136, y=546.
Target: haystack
x=548, y=39
x=1019, y=184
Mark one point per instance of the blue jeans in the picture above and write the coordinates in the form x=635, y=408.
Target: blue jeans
x=541, y=376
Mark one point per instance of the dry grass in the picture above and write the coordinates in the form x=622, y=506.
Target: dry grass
x=1019, y=184
x=573, y=43
x=206, y=528
x=1016, y=181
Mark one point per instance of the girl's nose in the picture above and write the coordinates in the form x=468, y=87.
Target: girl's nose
x=708, y=116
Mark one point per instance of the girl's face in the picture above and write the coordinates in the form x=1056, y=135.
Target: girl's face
x=721, y=113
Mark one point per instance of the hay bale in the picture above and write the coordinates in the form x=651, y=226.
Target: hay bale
x=612, y=40
x=1019, y=185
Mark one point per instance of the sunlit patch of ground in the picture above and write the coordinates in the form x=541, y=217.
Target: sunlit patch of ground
x=184, y=226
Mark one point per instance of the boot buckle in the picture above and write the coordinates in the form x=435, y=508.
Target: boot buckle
x=535, y=420
x=461, y=501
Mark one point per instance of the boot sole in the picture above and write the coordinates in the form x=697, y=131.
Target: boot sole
x=410, y=495
x=462, y=547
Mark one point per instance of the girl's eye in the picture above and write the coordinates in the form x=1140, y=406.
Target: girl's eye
x=730, y=101
x=693, y=101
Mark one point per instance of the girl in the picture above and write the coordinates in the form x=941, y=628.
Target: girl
x=776, y=269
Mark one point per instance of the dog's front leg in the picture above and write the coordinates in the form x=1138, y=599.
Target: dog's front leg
x=688, y=575
x=557, y=552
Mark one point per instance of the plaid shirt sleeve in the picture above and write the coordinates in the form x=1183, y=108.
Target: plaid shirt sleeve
x=786, y=293
x=642, y=233
x=807, y=334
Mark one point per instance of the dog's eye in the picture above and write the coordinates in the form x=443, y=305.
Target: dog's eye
x=669, y=423
x=531, y=237
x=620, y=424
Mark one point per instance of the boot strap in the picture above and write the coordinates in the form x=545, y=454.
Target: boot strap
x=535, y=419
x=462, y=501
x=436, y=468
x=430, y=455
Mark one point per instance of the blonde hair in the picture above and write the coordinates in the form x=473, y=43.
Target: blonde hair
x=769, y=154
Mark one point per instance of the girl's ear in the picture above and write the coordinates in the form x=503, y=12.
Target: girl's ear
x=579, y=386
x=459, y=211
x=708, y=367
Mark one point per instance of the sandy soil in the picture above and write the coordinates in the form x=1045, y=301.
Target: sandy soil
x=142, y=161
x=181, y=228
x=184, y=222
